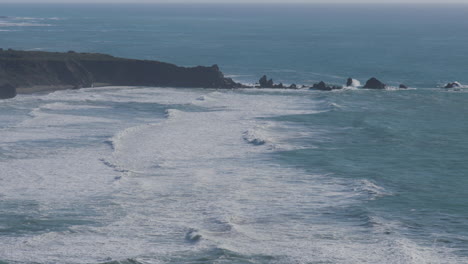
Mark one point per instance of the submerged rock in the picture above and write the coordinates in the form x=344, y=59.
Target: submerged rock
x=374, y=83
x=453, y=85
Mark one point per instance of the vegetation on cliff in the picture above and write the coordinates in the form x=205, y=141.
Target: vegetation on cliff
x=26, y=70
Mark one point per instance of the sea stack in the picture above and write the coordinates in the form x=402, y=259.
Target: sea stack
x=374, y=83
x=265, y=83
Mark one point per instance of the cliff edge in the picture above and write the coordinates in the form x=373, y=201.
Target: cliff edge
x=30, y=71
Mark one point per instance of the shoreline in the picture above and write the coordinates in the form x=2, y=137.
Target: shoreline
x=27, y=72
x=35, y=71
x=52, y=88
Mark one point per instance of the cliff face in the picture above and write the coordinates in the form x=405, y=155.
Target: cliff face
x=7, y=91
x=27, y=69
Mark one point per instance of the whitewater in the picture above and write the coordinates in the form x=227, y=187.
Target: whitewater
x=129, y=175
x=161, y=175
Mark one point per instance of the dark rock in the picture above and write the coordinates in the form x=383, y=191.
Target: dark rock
x=452, y=85
x=373, y=83
x=270, y=83
x=293, y=86
x=24, y=69
x=402, y=86
x=350, y=82
x=7, y=91
x=280, y=85
x=322, y=86
x=263, y=81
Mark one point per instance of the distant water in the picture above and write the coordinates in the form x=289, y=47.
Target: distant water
x=160, y=175
x=420, y=46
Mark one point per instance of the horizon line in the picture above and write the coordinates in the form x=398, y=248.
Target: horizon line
x=241, y=3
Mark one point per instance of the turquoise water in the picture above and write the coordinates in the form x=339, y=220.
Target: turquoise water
x=420, y=46
x=160, y=175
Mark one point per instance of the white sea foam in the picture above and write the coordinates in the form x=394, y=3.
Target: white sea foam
x=355, y=83
x=185, y=184
x=254, y=136
x=66, y=106
x=22, y=24
x=371, y=189
x=172, y=113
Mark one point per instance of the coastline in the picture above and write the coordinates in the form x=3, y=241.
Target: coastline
x=26, y=72
x=36, y=71
x=51, y=88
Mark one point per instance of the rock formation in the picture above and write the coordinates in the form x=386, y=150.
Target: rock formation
x=350, y=82
x=322, y=86
x=26, y=70
x=265, y=83
x=453, y=85
x=402, y=86
x=373, y=83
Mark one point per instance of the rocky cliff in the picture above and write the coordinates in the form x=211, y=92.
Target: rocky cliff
x=28, y=71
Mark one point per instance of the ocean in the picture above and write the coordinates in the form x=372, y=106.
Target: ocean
x=130, y=175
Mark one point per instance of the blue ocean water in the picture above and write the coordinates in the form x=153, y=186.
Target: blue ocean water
x=162, y=175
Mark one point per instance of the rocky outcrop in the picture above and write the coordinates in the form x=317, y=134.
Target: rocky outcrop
x=373, y=83
x=350, y=82
x=28, y=69
x=265, y=83
x=402, y=86
x=322, y=86
x=452, y=85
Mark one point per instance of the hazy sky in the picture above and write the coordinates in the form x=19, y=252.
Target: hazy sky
x=236, y=1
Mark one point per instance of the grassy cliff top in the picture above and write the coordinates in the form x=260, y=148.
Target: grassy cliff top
x=43, y=55
x=20, y=55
